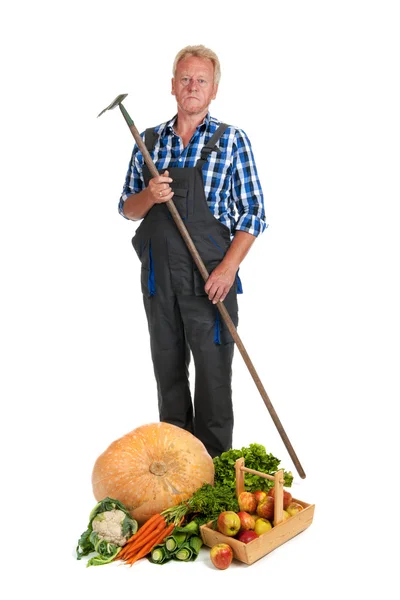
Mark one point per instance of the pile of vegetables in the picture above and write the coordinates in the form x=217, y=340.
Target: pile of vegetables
x=173, y=533
x=152, y=533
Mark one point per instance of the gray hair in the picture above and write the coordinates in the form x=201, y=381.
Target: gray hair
x=201, y=52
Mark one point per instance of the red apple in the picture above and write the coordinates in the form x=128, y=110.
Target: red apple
x=247, y=536
x=259, y=495
x=228, y=523
x=246, y=521
x=221, y=556
x=287, y=496
x=247, y=502
x=265, y=509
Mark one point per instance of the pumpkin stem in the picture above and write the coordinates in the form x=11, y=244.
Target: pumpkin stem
x=158, y=468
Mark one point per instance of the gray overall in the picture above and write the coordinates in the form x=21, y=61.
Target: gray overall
x=181, y=318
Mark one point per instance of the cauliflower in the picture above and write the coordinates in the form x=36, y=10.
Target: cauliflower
x=108, y=526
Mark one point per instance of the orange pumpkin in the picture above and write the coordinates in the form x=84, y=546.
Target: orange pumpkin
x=152, y=468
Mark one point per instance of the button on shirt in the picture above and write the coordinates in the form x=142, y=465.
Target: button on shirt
x=231, y=184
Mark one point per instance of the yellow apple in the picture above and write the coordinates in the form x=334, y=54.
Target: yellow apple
x=228, y=523
x=262, y=525
x=285, y=515
x=293, y=508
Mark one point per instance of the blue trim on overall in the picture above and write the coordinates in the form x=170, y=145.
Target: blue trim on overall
x=150, y=282
x=239, y=287
x=217, y=329
x=215, y=244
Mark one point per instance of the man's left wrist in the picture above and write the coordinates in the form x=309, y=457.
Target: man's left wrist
x=230, y=264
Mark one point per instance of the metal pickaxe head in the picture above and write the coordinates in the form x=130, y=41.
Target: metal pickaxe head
x=114, y=104
x=118, y=102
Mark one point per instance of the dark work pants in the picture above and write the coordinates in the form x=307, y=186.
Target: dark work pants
x=178, y=325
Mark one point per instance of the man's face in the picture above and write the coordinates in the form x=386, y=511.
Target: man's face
x=193, y=85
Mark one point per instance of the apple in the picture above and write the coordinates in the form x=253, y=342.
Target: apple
x=293, y=508
x=221, y=556
x=262, y=525
x=265, y=509
x=259, y=495
x=247, y=521
x=247, y=536
x=287, y=496
x=285, y=515
x=228, y=523
x=247, y=502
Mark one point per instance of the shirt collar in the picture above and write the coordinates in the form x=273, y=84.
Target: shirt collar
x=169, y=126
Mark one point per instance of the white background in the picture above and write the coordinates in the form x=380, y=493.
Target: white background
x=315, y=85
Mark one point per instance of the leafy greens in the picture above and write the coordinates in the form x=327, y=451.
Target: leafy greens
x=204, y=505
x=255, y=457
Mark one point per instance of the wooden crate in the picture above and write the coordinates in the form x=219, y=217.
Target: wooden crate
x=268, y=541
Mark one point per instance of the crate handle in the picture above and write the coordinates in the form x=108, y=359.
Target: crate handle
x=278, y=484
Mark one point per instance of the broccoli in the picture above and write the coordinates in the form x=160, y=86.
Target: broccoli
x=110, y=526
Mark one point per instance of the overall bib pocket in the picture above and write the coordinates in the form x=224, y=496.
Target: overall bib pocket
x=180, y=200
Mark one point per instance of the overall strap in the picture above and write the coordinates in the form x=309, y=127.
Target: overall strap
x=211, y=144
x=150, y=138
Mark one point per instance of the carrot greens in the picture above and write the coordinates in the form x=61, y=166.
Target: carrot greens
x=204, y=505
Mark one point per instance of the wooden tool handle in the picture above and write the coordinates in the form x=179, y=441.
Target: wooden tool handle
x=221, y=307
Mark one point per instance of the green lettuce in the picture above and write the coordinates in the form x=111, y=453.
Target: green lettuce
x=255, y=457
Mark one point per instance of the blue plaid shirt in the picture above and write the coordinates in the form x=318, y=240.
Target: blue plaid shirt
x=231, y=183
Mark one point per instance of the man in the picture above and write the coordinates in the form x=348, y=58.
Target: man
x=208, y=170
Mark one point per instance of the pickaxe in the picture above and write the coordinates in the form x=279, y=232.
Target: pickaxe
x=204, y=273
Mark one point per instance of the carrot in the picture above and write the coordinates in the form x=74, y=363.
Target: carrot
x=132, y=551
x=150, y=531
x=150, y=545
x=149, y=524
x=133, y=545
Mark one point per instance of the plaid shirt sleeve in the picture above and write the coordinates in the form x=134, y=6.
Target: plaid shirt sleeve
x=246, y=189
x=133, y=180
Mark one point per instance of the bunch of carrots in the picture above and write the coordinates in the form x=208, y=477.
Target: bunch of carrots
x=153, y=532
